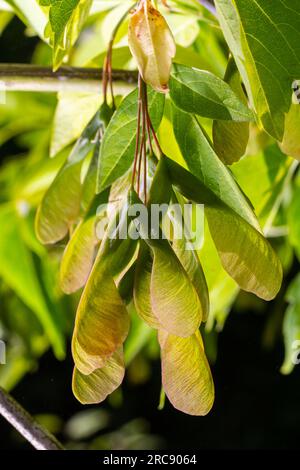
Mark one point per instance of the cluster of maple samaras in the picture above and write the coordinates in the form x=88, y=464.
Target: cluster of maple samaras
x=159, y=277
x=166, y=284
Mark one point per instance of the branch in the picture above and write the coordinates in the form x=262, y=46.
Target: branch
x=23, y=422
x=19, y=77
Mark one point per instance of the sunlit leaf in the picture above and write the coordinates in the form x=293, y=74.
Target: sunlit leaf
x=231, y=138
x=185, y=28
x=73, y=113
x=200, y=92
x=60, y=206
x=5, y=19
x=117, y=149
x=31, y=14
x=290, y=144
x=66, y=18
x=245, y=254
x=273, y=170
x=206, y=166
x=294, y=221
x=264, y=39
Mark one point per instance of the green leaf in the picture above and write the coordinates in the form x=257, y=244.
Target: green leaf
x=73, y=113
x=31, y=14
x=244, y=252
x=186, y=375
x=273, y=170
x=264, y=39
x=290, y=144
x=89, y=197
x=17, y=268
x=95, y=387
x=291, y=327
x=60, y=206
x=231, y=138
x=294, y=221
x=66, y=18
x=185, y=28
x=200, y=92
x=203, y=162
x=117, y=149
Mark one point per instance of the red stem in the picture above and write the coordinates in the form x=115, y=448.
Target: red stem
x=137, y=143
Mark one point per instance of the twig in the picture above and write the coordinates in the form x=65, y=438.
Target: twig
x=23, y=422
x=20, y=77
x=107, y=69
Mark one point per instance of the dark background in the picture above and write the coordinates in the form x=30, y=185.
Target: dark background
x=256, y=407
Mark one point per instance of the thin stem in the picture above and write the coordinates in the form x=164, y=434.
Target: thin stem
x=139, y=166
x=23, y=422
x=111, y=81
x=149, y=136
x=138, y=132
x=143, y=145
x=107, y=75
x=140, y=154
x=146, y=133
x=107, y=69
x=149, y=124
x=145, y=171
x=148, y=120
x=159, y=149
x=105, y=78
